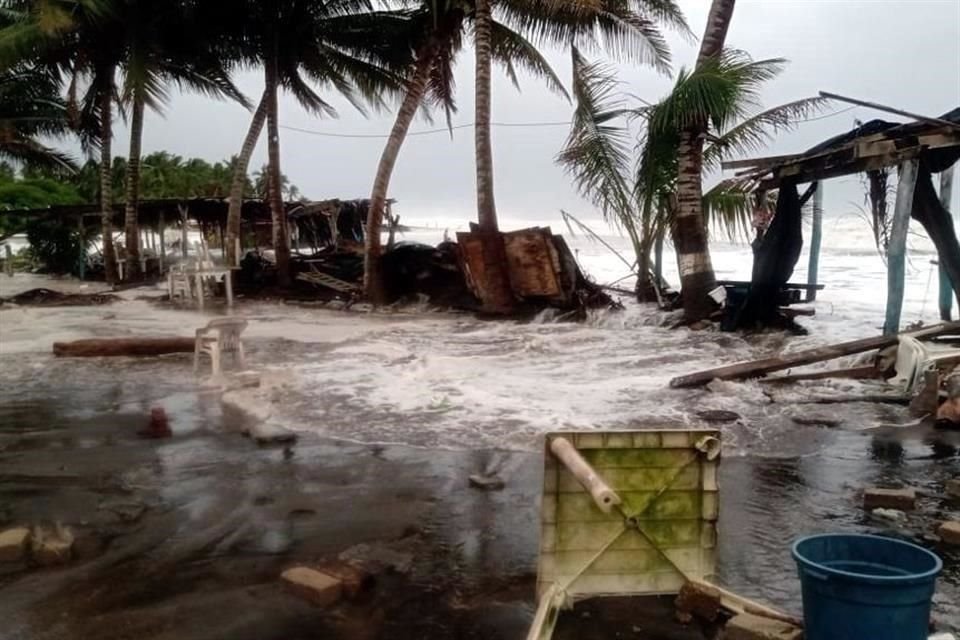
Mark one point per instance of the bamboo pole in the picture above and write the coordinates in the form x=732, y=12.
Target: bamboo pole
x=897, y=249
x=816, y=236
x=946, y=290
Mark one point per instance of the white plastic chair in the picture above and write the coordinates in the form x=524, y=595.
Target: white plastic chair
x=220, y=336
x=178, y=283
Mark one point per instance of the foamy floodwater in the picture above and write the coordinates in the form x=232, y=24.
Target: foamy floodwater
x=448, y=380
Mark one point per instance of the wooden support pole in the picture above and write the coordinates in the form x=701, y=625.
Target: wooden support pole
x=183, y=230
x=8, y=261
x=816, y=236
x=163, y=243
x=658, y=258
x=897, y=249
x=82, y=261
x=946, y=288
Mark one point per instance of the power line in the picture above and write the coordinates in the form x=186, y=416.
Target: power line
x=427, y=132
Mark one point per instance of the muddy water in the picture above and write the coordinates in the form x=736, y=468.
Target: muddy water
x=394, y=411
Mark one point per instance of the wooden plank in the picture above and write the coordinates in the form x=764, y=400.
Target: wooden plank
x=768, y=161
x=531, y=265
x=759, y=368
x=111, y=347
x=897, y=247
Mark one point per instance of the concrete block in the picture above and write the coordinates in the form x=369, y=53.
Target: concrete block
x=312, y=585
x=746, y=626
x=949, y=532
x=902, y=499
x=49, y=548
x=13, y=544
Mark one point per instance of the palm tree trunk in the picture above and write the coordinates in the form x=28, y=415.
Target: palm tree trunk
x=372, y=275
x=689, y=231
x=715, y=33
x=130, y=222
x=106, y=181
x=240, y=179
x=281, y=245
x=495, y=290
x=486, y=205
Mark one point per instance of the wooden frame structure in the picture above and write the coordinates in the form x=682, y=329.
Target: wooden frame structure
x=872, y=146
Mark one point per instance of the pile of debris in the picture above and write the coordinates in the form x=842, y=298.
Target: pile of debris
x=921, y=366
x=49, y=298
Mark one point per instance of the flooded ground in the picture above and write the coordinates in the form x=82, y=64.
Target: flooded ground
x=185, y=538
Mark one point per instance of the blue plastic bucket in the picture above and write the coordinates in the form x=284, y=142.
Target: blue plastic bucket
x=859, y=587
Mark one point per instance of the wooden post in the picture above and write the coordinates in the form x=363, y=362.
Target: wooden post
x=183, y=230
x=8, y=262
x=163, y=242
x=82, y=262
x=816, y=235
x=897, y=250
x=946, y=290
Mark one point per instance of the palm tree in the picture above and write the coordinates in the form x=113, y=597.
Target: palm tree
x=507, y=33
x=335, y=44
x=163, y=46
x=689, y=232
x=30, y=107
x=638, y=194
x=76, y=40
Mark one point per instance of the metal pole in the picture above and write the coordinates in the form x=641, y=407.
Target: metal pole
x=946, y=290
x=816, y=235
x=897, y=250
x=163, y=242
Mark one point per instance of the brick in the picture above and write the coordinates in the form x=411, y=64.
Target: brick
x=13, y=544
x=746, y=626
x=949, y=532
x=702, y=601
x=902, y=499
x=312, y=585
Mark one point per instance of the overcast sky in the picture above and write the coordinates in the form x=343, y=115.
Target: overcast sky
x=904, y=53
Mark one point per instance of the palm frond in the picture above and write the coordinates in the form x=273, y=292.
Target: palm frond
x=511, y=49
x=756, y=132
x=596, y=154
x=729, y=206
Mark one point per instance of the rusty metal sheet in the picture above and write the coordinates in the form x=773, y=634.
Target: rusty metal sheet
x=533, y=263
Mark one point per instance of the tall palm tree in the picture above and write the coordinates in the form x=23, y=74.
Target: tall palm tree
x=165, y=44
x=689, y=232
x=638, y=193
x=31, y=107
x=510, y=31
x=334, y=44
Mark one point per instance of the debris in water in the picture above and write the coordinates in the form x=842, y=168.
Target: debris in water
x=312, y=585
x=48, y=548
x=159, y=426
x=949, y=532
x=13, y=544
x=718, y=415
x=487, y=482
x=890, y=514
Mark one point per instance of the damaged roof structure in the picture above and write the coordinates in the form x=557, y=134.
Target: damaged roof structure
x=920, y=149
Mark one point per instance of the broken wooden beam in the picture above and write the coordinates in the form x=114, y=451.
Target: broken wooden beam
x=867, y=372
x=760, y=368
x=112, y=347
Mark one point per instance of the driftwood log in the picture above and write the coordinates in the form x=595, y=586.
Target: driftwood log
x=110, y=347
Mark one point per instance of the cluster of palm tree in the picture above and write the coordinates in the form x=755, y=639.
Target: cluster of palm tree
x=101, y=57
